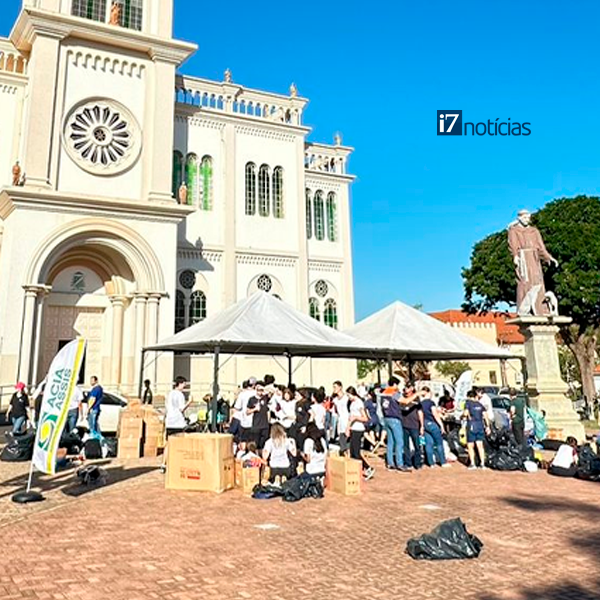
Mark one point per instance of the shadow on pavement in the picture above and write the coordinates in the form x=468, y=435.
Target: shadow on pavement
x=588, y=542
x=68, y=482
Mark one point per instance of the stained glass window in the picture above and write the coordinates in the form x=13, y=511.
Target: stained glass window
x=278, y=193
x=191, y=178
x=319, y=210
x=197, y=307
x=179, y=311
x=206, y=180
x=313, y=308
x=177, y=172
x=264, y=191
x=331, y=217
x=250, y=189
x=330, y=316
x=309, y=214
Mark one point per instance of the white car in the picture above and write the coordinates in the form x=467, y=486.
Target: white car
x=110, y=409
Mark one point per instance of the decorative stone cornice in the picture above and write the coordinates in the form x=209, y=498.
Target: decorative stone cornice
x=322, y=177
x=30, y=198
x=265, y=260
x=325, y=266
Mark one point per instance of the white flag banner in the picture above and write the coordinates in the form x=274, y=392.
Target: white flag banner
x=463, y=385
x=60, y=383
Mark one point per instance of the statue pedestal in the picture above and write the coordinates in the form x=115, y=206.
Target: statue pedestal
x=545, y=387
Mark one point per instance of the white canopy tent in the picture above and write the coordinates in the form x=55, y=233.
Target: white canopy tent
x=405, y=333
x=262, y=325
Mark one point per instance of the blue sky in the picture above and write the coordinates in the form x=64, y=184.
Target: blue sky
x=378, y=72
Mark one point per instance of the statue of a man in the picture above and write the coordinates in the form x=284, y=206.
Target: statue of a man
x=16, y=174
x=115, y=14
x=183, y=193
x=528, y=251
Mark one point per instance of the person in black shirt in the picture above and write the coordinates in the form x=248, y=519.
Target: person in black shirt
x=413, y=428
x=147, y=396
x=17, y=411
x=258, y=407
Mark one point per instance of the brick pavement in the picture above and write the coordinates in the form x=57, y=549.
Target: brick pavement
x=133, y=540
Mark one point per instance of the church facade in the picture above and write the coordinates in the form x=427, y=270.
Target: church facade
x=136, y=201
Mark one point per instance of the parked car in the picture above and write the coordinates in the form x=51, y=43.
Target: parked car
x=110, y=409
x=501, y=408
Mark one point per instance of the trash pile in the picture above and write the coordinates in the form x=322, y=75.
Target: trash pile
x=504, y=454
x=449, y=540
x=292, y=490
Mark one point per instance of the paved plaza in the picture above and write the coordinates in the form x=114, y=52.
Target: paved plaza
x=133, y=540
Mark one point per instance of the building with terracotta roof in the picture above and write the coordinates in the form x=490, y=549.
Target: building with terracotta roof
x=494, y=329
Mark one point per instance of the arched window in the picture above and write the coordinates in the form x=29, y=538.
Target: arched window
x=309, y=215
x=264, y=191
x=319, y=210
x=313, y=308
x=179, y=311
x=250, y=189
x=89, y=9
x=331, y=217
x=330, y=316
x=197, y=307
x=278, y=192
x=177, y=172
x=206, y=180
x=191, y=178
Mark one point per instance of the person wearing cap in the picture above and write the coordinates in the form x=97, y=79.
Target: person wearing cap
x=18, y=409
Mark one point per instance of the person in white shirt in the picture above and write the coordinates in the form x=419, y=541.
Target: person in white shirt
x=565, y=461
x=175, y=407
x=285, y=410
x=315, y=451
x=340, y=402
x=487, y=404
x=276, y=454
x=74, y=408
x=318, y=412
x=240, y=406
x=356, y=429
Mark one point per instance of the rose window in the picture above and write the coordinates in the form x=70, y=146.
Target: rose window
x=264, y=283
x=102, y=137
x=321, y=288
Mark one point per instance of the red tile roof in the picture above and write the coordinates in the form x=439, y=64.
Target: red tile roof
x=507, y=334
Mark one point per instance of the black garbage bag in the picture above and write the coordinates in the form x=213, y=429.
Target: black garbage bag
x=505, y=459
x=453, y=439
x=449, y=540
x=71, y=442
x=303, y=486
x=92, y=476
x=266, y=492
x=19, y=448
x=588, y=467
x=498, y=437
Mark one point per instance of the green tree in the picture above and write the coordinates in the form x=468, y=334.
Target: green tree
x=452, y=369
x=571, y=230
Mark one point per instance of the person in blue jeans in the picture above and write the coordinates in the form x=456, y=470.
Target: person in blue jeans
x=413, y=426
x=434, y=429
x=477, y=427
x=392, y=418
x=94, y=401
x=18, y=409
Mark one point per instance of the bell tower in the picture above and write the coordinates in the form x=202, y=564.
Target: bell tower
x=99, y=114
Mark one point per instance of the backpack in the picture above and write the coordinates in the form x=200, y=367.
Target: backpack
x=19, y=448
x=92, y=449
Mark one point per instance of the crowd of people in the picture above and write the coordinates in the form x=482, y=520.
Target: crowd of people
x=283, y=426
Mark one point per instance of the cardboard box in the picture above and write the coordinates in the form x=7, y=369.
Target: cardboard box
x=151, y=450
x=246, y=478
x=130, y=426
x=128, y=448
x=135, y=410
x=555, y=434
x=200, y=462
x=344, y=475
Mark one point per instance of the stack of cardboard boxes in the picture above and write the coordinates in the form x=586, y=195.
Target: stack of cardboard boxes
x=154, y=432
x=140, y=427
x=200, y=462
x=131, y=431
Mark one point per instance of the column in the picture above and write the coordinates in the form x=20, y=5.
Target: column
x=152, y=313
x=39, y=134
x=302, y=268
x=141, y=302
x=27, y=334
x=38, y=334
x=118, y=312
x=230, y=257
x=160, y=123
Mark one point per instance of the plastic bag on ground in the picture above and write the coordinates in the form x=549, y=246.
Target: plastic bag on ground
x=449, y=540
x=539, y=424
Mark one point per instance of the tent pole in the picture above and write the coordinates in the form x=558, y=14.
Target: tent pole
x=215, y=398
x=410, y=369
x=290, y=370
x=141, y=379
x=390, y=366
